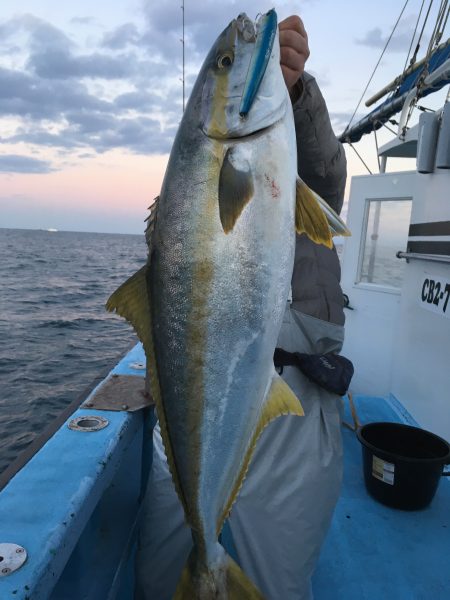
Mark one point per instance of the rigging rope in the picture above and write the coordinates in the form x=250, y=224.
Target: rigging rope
x=376, y=66
x=414, y=56
x=414, y=35
x=436, y=36
x=359, y=156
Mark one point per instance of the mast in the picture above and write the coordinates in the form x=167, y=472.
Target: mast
x=182, y=44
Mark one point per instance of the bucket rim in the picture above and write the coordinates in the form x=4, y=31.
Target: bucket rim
x=444, y=460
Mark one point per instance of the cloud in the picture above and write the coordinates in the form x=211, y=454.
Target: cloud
x=101, y=132
x=13, y=163
x=401, y=40
x=52, y=63
x=82, y=20
x=26, y=95
x=121, y=37
x=164, y=28
x=340, y=120
x=41, y=33
x=122, y=91
x=138, y=100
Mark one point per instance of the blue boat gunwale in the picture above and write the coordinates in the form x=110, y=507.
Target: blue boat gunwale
x=27, y=454
x=105, y=456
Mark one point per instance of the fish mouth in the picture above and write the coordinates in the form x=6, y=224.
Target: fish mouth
x=265, y=37
x=241, y=138
x=246, y=28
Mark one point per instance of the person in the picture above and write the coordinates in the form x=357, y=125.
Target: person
x=285, y=505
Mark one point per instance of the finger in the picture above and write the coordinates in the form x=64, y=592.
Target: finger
x=295, y=23
x=294, y=40
x=292, y=59
x=290, y=76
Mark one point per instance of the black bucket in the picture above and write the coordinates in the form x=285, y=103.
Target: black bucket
x=402, y=464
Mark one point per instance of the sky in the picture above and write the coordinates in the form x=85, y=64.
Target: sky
x=91, y=95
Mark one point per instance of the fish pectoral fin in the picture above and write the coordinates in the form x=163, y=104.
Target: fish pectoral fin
x=280, y=400
x=315, y=218
x=235, y=191
x=132, y=302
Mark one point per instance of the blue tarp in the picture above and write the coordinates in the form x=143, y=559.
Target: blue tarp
x=394, y=103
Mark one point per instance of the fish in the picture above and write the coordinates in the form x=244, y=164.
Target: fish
x=208, y=304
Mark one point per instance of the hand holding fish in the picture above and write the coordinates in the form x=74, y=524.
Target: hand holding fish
x=294, y=49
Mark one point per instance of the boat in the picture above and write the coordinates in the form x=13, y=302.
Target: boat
x=71, y=503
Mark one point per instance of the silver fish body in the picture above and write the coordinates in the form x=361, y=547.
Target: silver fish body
x=218, y=301
x=208, y=305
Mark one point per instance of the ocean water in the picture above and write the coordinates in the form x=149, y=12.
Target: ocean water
x=55, y=334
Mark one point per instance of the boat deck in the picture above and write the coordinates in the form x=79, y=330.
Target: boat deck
x=373, y=551
x=75, y=486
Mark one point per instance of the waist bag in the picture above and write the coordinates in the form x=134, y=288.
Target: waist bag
x=331, y=371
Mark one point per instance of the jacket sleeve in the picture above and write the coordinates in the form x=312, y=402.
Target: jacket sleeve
x=322, y=165
x=320, y=156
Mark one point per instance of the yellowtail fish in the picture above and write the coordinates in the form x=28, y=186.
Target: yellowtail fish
x=208, y=305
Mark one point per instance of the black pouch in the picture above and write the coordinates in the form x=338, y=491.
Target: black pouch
x=331, y=371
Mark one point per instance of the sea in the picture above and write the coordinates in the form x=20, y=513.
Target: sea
x=56, y=337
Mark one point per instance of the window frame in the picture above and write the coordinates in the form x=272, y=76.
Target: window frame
x=390, y=289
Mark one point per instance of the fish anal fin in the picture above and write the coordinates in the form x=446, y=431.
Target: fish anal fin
x=235, y=191
x=132, y=301
x=280, y=400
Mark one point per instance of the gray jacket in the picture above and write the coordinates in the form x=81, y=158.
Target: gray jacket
x=322, y=165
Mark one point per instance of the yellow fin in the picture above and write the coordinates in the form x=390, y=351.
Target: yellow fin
x=133, y=302
x=309, y=216
x=235, y=191
x=280, y=400
x=227, y=580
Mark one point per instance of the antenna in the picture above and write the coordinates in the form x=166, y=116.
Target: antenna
x=182, y=43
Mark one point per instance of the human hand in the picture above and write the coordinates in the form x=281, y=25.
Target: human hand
x=294, y=50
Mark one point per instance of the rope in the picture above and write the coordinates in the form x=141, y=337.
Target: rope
x=376, y=66
x=376, y=145
x=442, y=23
x=356, y=422
x=414, y=57
x=389, y=129
x=434, y=41
x=413, y=36
x=358, y=155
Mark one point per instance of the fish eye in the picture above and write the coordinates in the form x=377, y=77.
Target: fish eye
x=225, y=60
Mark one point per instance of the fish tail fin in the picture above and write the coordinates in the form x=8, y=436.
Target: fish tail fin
x=316, y=218
x=224, y=580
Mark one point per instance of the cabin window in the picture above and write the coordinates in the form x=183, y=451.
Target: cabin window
x=386, y=232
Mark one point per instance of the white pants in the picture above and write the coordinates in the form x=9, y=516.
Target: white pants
x=285, y=505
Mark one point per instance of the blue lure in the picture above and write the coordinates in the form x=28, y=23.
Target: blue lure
x=267, y=29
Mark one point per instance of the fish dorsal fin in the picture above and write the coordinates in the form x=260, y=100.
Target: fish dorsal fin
x=132, y=301
x=309, y=216
x=280, y=400
x=235, y=191
x=151, y=221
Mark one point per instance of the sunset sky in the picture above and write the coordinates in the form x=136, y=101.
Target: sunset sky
x=90, y=95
